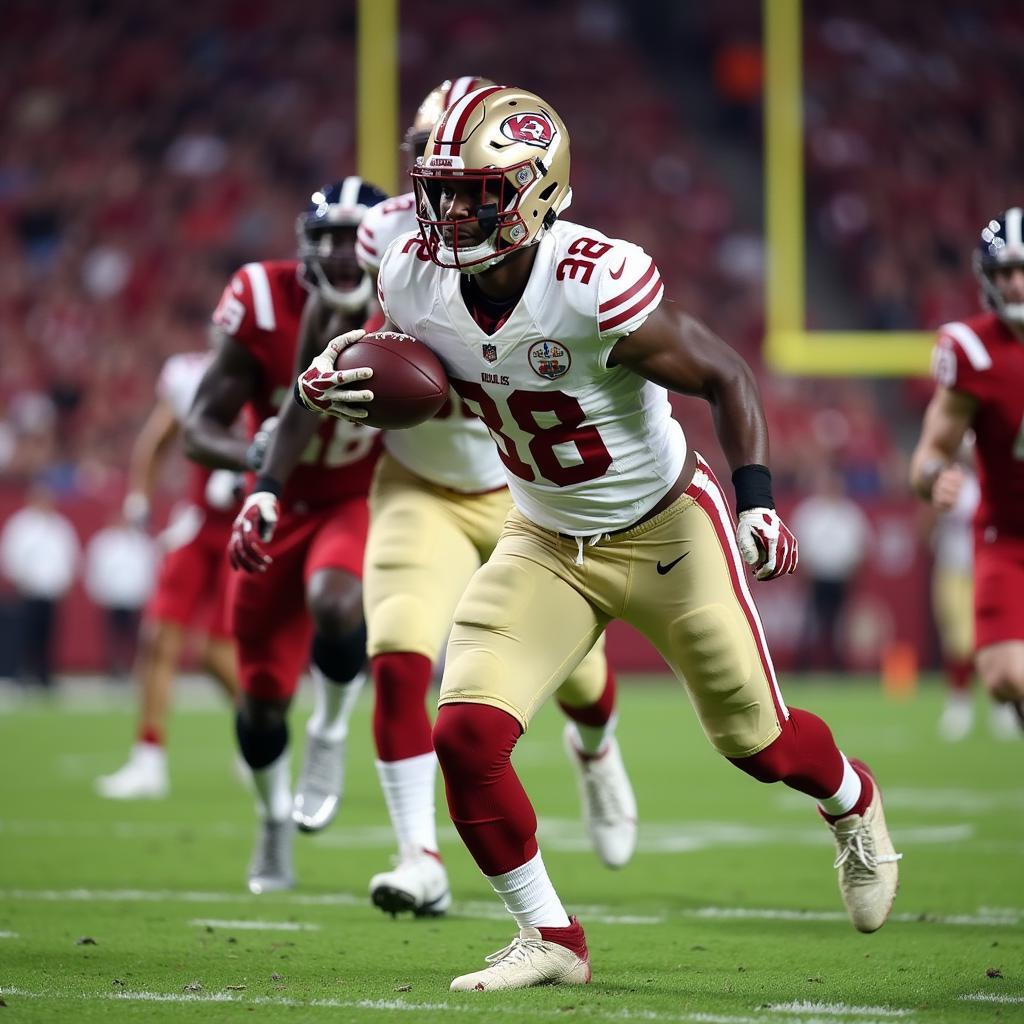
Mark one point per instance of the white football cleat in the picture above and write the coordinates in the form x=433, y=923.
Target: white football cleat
x=318, y=791
x=609, y=806
x=867, y=865
x=957, y=717
x=271, y=869
x=529, y=960
x=1004, y=723
x=142, y=777
x=417, y=884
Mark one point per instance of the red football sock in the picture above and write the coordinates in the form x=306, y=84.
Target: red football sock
x=152, y=735
x=805, y=757
x=401, y=725
x=958, y=674
x=487, y=802
x=571, y=937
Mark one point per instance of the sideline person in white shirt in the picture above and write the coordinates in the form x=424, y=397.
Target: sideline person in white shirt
x=834, y=535
x=120, y=567
x=39, y=554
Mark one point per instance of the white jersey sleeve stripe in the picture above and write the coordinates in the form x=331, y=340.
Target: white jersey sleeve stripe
x=972, y=345
x=262, y=300
x=647, y=301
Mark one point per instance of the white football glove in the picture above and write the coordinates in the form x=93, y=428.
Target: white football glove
x=256, y=522
x=766, y=543
x=323, y=389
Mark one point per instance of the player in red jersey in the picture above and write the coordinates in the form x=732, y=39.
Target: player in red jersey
x=191, y=583
x=312, y=525
x=978, y=365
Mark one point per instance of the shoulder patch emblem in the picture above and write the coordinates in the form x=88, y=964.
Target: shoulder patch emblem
x=549, y=359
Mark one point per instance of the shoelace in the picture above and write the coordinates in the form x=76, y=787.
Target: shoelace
x=857, y=852
x=516, y=951
x=321, y=771
x=601, y=797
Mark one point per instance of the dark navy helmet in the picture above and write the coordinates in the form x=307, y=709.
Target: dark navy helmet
x=1001, y=245
x=326, y=233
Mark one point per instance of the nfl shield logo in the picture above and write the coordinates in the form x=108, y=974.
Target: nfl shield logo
x=490, y=353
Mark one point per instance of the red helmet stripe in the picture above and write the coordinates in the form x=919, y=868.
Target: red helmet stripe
x=448, y=138
x=459, y=88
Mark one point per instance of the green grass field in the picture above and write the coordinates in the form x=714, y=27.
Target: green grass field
x=729, y=913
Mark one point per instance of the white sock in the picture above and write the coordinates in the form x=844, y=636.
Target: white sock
x=594, y=739
x=274, y=788
x=408, y=787
x=149, y=754
x=846, y=796
x=332, y=704
x=529, y=896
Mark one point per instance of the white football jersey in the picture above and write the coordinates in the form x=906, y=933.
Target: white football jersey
x=380, y=226
x=179, y=380
x=454, y=449
x=586, y=448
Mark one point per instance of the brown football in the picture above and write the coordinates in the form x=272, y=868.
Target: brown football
x=409, y=384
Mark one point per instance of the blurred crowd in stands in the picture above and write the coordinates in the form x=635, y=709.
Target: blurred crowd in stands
x=148, y=152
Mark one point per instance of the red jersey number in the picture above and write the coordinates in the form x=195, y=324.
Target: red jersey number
x=523, y=407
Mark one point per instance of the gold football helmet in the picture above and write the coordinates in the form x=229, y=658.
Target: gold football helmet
x=513, y=148
x=437, y=101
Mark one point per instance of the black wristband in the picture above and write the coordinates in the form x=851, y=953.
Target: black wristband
x=753, y=486
x=267, y=483
x=297, y=396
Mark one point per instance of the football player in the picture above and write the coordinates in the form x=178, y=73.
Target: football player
x=310, y=525
x=191, y=583
x=978, y=365
x=438, y=503
x=556, y=336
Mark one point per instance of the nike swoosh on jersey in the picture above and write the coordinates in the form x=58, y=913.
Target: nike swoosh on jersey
x=617, y=273
x=663, y=569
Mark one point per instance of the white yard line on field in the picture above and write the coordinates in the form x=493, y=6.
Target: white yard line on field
x=991, y=997
x=984, y=918
x=990, y=917
x=254, y=926
x=837, y=1009
x=564, y=835
x=477, y=910
x=8, y=935
x=958, y=800
x=471, y=1006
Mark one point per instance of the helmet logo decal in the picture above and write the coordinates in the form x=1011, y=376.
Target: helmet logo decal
x=549, y=359
x=535, y=129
